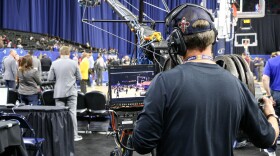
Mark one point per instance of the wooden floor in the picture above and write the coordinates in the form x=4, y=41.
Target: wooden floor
x=103, y=88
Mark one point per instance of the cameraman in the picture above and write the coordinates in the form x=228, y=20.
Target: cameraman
x=198, y=107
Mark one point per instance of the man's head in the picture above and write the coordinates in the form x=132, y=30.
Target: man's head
x=64, y=51
x=13, y=52
x=84, y=55
x=31, y=52
x=44, y=56
x=99, y=55
x=193, y=28
x=88, y=55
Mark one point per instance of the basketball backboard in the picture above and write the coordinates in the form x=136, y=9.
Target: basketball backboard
x=250, y=9
x=245, y=39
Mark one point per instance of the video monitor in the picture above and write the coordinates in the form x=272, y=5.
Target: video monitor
x=128, y=84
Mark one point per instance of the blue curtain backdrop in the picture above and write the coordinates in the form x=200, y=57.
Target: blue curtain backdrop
x=63, y=18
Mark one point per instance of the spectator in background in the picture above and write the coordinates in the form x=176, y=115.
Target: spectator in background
x=256, y=67
x=35, y=62
x=50, y=48
x=46, y=63
x=17, y=59
x=87, y=45
x=271, y=80
x=1, y=42
x=271, y=84
x=56, y=46
x=75, y=58
x=84, y=67
x=115, y=62
x=252, y=66
x=38, y=44
x=109, y=60
x=126, y=60
x=31, y=38
x=104, y=51
x=99, y=68
x=274, y=54
x=28, y=79
x=9, y=45
x=246, y=57
x=259, y=67
x=5, y=40
x=65, y=72
x=79, y=60
x=19, y=43
x=91, y=70
x=10, y=69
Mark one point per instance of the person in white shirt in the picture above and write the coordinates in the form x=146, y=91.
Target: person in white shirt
x=91, y=69
x=99, y=68
x=75, y=58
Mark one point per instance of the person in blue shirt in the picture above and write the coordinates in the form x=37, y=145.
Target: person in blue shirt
x=271, y=84
x=271, y=80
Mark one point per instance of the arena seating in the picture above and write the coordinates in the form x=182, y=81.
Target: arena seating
x=34, y=41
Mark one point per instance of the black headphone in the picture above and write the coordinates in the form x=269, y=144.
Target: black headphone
x=176, y=40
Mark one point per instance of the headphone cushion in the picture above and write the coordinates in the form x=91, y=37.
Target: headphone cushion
x=177, y=42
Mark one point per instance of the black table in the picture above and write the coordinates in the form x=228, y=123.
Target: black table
x=11, y=142
x=52, y=123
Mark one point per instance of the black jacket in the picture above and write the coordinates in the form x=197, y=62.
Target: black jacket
x=46, y=64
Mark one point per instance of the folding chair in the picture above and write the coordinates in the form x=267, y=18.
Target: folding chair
x=30, y=141
x=47, y=97
x=82, y=113
x=99, y=117
x=13, y=96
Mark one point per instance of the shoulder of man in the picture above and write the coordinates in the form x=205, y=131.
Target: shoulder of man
x=8, y=58
x=277, y=58
x=56, y=62
x=5, y=59
x=72, y=62
x=36, y=59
